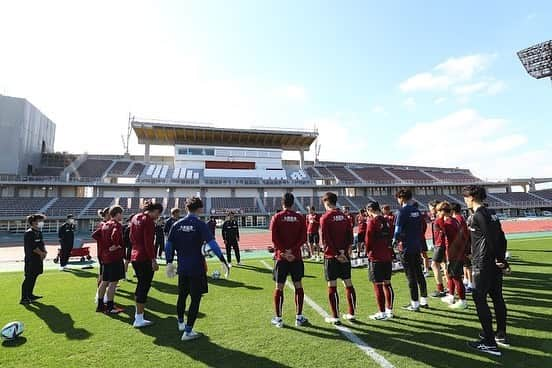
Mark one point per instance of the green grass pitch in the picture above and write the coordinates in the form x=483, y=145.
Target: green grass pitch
x=64, y=331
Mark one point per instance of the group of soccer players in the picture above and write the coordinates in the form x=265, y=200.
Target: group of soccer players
x=470, y=252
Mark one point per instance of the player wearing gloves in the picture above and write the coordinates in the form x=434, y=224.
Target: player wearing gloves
x=289, y=231
x=187, y=237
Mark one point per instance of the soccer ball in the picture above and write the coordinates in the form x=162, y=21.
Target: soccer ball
x=12, y=330
x=216, y=274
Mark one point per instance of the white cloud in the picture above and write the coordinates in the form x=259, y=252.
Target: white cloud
x=461, y=76
x=294, y=92
x=378, y=109
x=466, y=139
x=439, y=100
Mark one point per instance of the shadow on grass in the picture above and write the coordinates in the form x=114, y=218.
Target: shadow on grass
x=154, y=304
x=203, y=350
x=81, y=273
x=58, y=322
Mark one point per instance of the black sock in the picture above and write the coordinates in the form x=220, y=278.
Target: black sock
x=110, y=305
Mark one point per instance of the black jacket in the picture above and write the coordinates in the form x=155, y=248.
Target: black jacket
x=488, y=242
x=33, y=240
x=230, y=231
x=66, y=234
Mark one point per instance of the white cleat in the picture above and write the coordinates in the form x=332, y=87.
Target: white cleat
x=181, y=326
x=188, y=336
x=278, y=322
x=332, y=320
x=389, y=314
x=301, y=320
x=349, y=317
x=142, y=324
x=449, y=299
x=461, y=304
x=380, y=316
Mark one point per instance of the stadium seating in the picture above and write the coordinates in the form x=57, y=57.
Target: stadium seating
x=518, y=198
x=21, y=207
x=374, y=175
x=388, y=199
x=136, y=169
x=311, y=201
x=272, y=204
x=411, y=175
x=425, y=199
x=312, y=173
x=48, y=171
x=449, y=176
x=67, y=205
x=545, y=193
x=325, y=172
x=244, y=204
x=359, y=201
x=92, y=168
x=119, y=168
x=342, y=174
x=98, y=203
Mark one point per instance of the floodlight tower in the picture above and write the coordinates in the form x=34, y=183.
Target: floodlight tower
x=537, y=60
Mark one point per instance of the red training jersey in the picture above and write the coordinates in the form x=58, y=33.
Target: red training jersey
x=351, y=220
x=112, y=249
x=337, y=233
x=450, y=236
x=362, y=222
x=377, y=242
x=465, y=231
x=313, y=223
x=97, y=236
x=288, y=230
x=142, y=234
x=391, y=221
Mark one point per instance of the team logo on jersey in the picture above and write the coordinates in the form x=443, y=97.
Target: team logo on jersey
x=186, y=228
x=290, y=219
x=414, y=214
x=339, y=218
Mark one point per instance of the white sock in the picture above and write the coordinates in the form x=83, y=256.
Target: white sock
x=423, y=301
x=139, y=317
x=415, y=304
x=105, y=298
x=388, y=311
x=470, y=285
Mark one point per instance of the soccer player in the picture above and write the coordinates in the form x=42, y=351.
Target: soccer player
x=35, y=253
x=337, y=238
x=159, y=237
x=96, y=235
x=66, y=235
x=488, y=265
x=361, y=221
x=350, y=218
x=175, y=216
x=439, y=250
x=288, y=230
x=127, y=243
x=407, y=238
x=231, y=237
x=313, y=233
x=452, y=236
x=142, y=234
x=425, y=258
x=377, y=240
x=457, y=214
x=212, y=225
x=187, y=237
x=112, y=254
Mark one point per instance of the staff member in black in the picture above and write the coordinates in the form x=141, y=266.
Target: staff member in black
x=231, y=237
x=35, y=253
x=159, y=237
x=66, y=235
x=175, y=216
x=488, y=247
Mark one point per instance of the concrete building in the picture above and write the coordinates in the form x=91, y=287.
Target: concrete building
x=25, y=133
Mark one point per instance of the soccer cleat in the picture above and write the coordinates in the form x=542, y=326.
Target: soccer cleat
x=411, y=308
x=301, y=320
x=380, y=316
x=181, y=326
x=25, y=301
x=469, y=290
x=500, y=339
x=142, y=323
x=349, y=317
x=484, y=347
x=190, y=335
x=114, y=310
x=35, y=297
x=449, y=299
x=438, y=294
x=332, y=320
x=389, y=313
x=460, y=304
x=277, y=322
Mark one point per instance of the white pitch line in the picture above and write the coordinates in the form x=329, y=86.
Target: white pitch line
x=367, y=349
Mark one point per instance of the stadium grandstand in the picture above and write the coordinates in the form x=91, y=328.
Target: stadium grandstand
x=238, y=170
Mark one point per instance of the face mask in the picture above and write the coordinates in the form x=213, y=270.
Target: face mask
x=40, y=224
x=71, y=221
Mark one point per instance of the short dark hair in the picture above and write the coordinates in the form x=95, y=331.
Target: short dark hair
x=404, y=194
x=287, y=200
x=476, y=191
x=34, y=218
x=150, y=206
x=374, y=206
x=312, y=208
x=193, y=204
x=69, y=216
x=456, y=207
x=115, y=210
x=445, y=207
x=330, y=197
x=175, y=211
x=362, y=210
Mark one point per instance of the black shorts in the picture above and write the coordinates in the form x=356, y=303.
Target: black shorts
x=113, y=271
x=193, y=285
x=439, y=254
x=284, y=268
x=314, y=238
x=361, y=237
x=144, y=273
x=128, y=253
x=380, y=271
x=455, y=268
x=333, y=269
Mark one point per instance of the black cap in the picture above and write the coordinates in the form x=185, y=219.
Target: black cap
x=69, y=216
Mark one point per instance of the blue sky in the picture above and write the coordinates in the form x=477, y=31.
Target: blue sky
x=431, y=83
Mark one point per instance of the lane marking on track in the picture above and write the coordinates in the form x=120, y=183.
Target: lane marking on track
x=346, y=332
